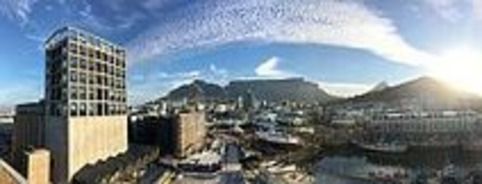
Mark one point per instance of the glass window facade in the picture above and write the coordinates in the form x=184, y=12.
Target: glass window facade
x=96, y=71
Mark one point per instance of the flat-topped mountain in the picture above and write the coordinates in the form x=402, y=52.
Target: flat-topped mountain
x=293, y=89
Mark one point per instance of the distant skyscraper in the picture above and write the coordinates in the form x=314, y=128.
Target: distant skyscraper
x=85, y=98
x=250, y=103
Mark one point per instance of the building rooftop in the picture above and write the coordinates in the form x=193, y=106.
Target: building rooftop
x=64, y=32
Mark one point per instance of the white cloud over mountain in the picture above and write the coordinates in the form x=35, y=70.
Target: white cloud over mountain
x=270, y=69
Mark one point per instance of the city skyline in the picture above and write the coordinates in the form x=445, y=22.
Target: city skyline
x=345, y=46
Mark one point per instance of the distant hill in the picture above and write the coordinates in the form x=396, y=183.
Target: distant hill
x=379, y=87
x=424, y=92
x=198, y=89
x=294, y=89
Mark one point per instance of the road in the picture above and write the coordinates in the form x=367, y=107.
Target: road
x=152, y=174
x=232, y=168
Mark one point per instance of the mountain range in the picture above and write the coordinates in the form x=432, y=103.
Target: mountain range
x=292, y=89
x=424, y=92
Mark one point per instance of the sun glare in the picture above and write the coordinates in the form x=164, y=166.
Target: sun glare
x=460, y=68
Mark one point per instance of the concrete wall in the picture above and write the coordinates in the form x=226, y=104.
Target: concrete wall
x=95, y=138
x=38, y=166
x=82, y=141
x=190, y=132
x=56, y=143
x=28, y=131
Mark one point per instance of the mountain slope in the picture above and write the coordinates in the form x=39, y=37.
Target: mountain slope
x=424, y=92
x=199, y=90
x=379, y=87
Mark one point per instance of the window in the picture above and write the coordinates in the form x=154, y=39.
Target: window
x=82, y=78
x=99, y=94
x=99, y=109
x=91, y=109
x=83, y=63
x=91, y=79
x=91, y=94
x=106, y=109
x=104, y=57
x=73, y=109
x=83, y=109
x=99, y=79
x=112, y=109
x=103, y=68
x=106, y=94
x=83, y=51
x=73, y=62
x=73, y=48
x=73, y=93
x=105, y=81
x=82, y=93
x=91, y=65
x=97, y=54
x=73, y=76
x=111, y=59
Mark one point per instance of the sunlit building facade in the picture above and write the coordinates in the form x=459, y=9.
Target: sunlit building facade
x=85, y=101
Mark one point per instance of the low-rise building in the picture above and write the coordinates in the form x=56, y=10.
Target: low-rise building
x=37, y=166
x=189, y=132
x=28, y=131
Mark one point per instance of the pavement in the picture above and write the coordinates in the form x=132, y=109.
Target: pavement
x=152, y=174
x=230, y=174
x=232, y=168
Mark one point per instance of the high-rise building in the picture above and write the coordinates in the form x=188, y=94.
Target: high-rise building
x=85, y=101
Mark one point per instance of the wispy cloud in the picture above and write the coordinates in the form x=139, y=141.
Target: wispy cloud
x=451, y=10
x=118, y=20
x=148, y=86
x=348, y=24
x=17, y=10
x=270, y=69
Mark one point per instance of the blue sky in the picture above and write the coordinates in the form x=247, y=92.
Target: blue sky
x=347, y=46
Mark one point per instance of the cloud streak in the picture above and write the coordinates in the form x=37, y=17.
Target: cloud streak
x=205, y=24
x=270, y=69
x=17, y=10
x=451, y=10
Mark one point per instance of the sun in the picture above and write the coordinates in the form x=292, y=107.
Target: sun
x=461, y=68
